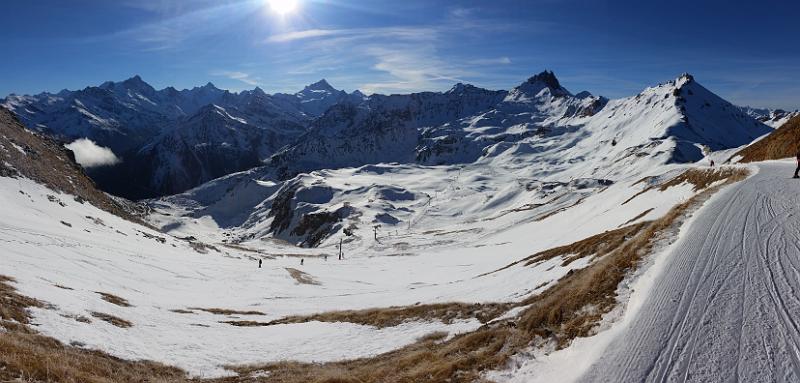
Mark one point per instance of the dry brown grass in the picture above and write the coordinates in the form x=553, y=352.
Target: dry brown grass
x=302, y=277
x=597, y=245
x=638, y=217
x=554, y=212
x=784, y=142
x=219, y=311
x=393, y=316
x=703, y=178
x=14, y=306
x=434, y=336
x=29, y=357
x=113, y=299
x=114, y=320
x=700, y=178
x=182, y=311
x=63, y=287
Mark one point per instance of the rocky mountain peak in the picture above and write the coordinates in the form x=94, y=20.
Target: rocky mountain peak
x=546, y=77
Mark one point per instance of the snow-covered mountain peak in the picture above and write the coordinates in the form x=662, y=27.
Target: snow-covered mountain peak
x=684, y=78
x=461, y=88
x=541, y=85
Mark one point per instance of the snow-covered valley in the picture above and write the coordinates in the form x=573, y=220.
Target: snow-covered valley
x=485, y=214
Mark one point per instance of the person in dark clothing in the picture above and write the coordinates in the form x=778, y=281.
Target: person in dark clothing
x=796, y=171
x=301, y=261
x=259, y=263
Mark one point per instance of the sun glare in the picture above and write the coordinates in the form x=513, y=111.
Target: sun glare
x=283, y=7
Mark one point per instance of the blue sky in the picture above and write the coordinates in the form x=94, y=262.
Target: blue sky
x=744, y=51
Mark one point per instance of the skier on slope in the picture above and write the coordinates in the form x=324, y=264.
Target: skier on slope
x=796, y=171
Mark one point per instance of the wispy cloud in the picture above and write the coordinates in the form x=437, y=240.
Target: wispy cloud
x=491, y=61
x=301, y=35
x=177, y=23
x=384, y=33
x=400, y=58
x=239, y=76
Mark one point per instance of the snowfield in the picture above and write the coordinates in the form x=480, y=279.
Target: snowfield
x=66, y=255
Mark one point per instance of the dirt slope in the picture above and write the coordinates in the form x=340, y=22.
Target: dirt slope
x=782, y=143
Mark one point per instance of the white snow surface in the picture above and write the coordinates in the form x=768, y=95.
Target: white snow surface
x=433, y=260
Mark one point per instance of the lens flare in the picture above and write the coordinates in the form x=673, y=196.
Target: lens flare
x=283, y=7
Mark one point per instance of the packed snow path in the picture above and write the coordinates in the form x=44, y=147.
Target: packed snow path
x=726, y=307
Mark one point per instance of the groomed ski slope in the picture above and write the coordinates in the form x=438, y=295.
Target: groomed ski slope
x=725, y=306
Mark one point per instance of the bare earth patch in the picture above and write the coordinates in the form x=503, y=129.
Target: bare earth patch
x=182, y=311
x=116, y=321
x=219, y=311
x=393, y=316
x=113, y=299
x=634, y=219
x=302, y=277
x=699, y=178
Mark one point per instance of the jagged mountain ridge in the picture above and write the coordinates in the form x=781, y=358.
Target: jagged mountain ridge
x=172, y=140
x=236, y=131
x=132, y=108
x=537, y=131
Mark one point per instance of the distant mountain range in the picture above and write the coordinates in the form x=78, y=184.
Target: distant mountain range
x=171, y=140
x=536, y=137
x=775, y=118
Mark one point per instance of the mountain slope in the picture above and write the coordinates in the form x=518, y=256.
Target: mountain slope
x=31, y=155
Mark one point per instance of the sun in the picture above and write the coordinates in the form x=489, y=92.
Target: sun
x=283, y=7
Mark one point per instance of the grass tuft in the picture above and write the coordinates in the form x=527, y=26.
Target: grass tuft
x=116, y=321
x=113, y=299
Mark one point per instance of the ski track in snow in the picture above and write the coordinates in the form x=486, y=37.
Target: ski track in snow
x=725, y=307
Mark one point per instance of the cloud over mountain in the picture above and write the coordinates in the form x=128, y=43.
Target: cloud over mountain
x=89, y=154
